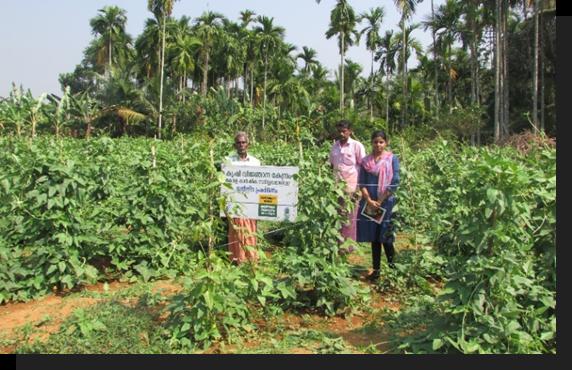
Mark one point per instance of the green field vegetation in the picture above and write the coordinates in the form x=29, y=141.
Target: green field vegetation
x=481, y=278
x=117, y=180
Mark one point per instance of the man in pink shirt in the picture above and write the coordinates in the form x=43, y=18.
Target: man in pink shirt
x=345, y=158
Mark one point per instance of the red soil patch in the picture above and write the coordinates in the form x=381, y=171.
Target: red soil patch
x=13, y=315
x=52, y=308
x=47, y=313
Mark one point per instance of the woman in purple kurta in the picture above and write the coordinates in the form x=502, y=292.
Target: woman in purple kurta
x=378, y=181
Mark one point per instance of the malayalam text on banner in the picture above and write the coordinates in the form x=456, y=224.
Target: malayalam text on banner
x=267, y=193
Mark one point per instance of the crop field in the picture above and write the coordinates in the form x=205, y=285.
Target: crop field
x=117, y=246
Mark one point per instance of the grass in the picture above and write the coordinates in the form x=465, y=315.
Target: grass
x=108, y=327
x=130, y=320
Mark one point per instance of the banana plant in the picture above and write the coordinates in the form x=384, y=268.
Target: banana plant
x=62, y=108
x=34, y=110
x=87, y=109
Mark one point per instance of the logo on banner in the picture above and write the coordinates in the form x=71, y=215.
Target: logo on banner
x=267, y=205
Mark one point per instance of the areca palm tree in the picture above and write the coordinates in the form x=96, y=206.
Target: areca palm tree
x=110, y=25
x=319, y=78
x=208, y=27
x=269, y=37
x=343, y=23
x=162, y=9
x=148, y=55
x=308, y=55
x=374, y=19
x=386, y=55
x=445, y=24
x=353, y=71
x=246, y=17
x=232, y=54
x=407, y=9
x=291, y=94
x=501, y=112
x=248, y=40
x=182, y=52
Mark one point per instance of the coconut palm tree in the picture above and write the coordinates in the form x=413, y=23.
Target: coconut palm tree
x=110, y=25
x=269, y=37
x=161, y=9
x=374, y=18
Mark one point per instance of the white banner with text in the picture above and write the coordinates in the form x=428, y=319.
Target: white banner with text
x=267, y=193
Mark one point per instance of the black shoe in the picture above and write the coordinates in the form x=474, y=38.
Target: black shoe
x=374, y=276
x=391, y=265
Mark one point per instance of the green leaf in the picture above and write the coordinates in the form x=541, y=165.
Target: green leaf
x=145, y=272
x=51, y=269
x=437, y=343
x=492, y=195
x=262, y=300
x=208, y=300
x=91, y=273
x=99, y=326
x=547, y=335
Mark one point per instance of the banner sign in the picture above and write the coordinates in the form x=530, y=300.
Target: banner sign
x=267, y=193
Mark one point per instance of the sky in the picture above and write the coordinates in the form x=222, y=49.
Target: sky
x=40, y=39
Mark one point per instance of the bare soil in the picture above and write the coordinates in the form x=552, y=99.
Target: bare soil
x=45, y=315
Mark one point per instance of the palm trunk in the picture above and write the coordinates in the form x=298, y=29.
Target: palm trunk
x=475, y=79
x=387, y=98
x=342, y=54
x=184, y=85
x=205, y=75
x=535, y=68
x=109, y=55
x=33, y=127
x=162, y=76
x=436, y=97
x=449, y=80
x=404, y=76
x=245, y=86
x=371, y=90
x=252, y=87
x=497, y=116
x=229, y=87
x=505, y=71
x=541, y=67
x=88, y=128
x=264, y=96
